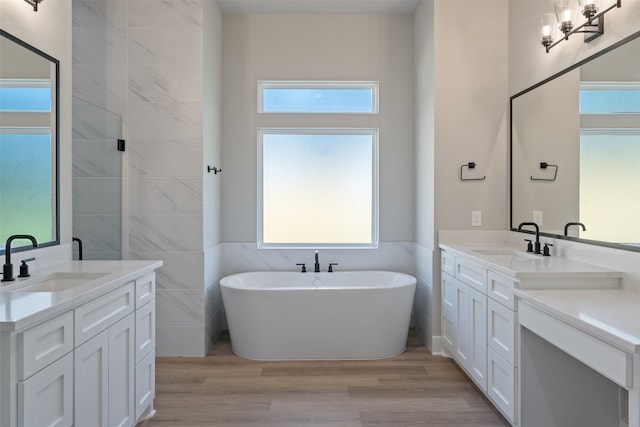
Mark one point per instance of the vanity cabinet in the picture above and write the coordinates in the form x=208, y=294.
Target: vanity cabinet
x=479, y=327
x=90, y=364
x=464, y=318
x=45, y=373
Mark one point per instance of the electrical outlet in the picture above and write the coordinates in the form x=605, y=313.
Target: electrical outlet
x=537, y=217
x=476, y=218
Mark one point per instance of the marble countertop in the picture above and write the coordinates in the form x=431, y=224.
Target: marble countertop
x=612, y=315
x=515, y=262
x=20, y=308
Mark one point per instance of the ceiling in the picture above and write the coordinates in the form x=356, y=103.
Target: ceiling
x=382, y=7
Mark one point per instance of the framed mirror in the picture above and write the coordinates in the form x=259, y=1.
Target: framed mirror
x=29, y=154
x=575, y=150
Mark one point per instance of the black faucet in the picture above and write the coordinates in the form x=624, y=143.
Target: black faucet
x=316, y=267
x=76, y=239
x=569, y=224
x=537, y=242
x=7, y=268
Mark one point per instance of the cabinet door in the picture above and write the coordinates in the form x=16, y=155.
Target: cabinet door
x=145, y=384
x=502, y=331
x=46, y=399
x=145, y=330
x=463, y=329
x=449, y=309
x=501, y=384
x=91, y=382
x=478, y=335
x=121, y=373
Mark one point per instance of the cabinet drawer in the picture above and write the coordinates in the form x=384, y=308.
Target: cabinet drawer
x=472, y=274
x=44, y=344
x=501, y=384
x=501, y=330
x=611, y=362
x=448, y=262
x=102, y=312
x=145, y=289
x=145, y=384
x=46, y=399
x=500, y=288
x=145, y=330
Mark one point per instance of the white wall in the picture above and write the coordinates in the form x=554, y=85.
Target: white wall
x=317, y=47
x=461, y=117
x=49, y=30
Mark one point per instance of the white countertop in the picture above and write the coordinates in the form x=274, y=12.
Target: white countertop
x=521, y=264
x=612, y=315
x=20, y=308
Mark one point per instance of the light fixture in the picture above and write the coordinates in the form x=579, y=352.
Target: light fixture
x=34, y=3
x=565, y=15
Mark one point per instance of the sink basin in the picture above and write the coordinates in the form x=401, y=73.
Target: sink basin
x=495, y=251
x=61, y=281
x=504, y=253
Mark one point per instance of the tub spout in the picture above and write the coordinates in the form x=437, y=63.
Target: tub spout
x=316, y=267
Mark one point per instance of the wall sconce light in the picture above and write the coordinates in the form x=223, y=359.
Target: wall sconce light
x=34, y=3
x=565, y=16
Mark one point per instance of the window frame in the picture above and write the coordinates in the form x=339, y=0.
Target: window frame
x=320, y=84
x=373, y=132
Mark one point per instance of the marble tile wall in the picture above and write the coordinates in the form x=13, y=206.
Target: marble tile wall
x=138, y=70
x=99, y=113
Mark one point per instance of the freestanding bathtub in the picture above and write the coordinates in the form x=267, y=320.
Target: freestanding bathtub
x=296, y=316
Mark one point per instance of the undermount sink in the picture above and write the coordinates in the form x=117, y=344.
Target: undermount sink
x=61, y=281
x=502, y=252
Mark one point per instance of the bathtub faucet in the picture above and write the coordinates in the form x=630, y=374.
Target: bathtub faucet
x=316, y=267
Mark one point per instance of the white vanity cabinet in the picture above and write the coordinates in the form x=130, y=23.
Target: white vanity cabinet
x=87, y=361
x=478, y=329
x=45, y=373
x=104, y=356
x=464, y=318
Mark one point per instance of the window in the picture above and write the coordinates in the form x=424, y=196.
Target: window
x=609, y=97
x=318, y=188
x=609, y=157
x=317, y=97
x=26, y=159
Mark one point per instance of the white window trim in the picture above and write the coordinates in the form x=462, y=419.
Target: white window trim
x=304, y=84
x=374, y=188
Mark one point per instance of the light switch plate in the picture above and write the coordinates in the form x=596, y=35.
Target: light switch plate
x=476, y=218
x=537, y=217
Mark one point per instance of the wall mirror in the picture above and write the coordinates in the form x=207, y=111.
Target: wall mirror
x=29, y=180
x=575, y=150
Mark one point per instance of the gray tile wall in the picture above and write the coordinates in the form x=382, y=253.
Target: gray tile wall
x=138, y=75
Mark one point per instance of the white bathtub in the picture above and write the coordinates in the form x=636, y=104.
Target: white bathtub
x=296, y=316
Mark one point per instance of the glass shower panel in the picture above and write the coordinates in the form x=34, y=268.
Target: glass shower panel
x=97, y=181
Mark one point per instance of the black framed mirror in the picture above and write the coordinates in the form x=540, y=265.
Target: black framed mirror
x=575, y=150
x=29, y=149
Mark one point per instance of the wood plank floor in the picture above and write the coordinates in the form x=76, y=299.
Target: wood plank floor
x=412, y=389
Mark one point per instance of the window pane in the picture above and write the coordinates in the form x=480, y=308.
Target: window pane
x=26, y=186
x=317, y=97
x=609, y=101
x=609, y=178
x=318, y=188
x=25, y=99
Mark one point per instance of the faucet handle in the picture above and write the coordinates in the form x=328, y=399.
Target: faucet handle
x=529, y=245
x=545, y=251
x=24, y=267
x=331, y=266
x=304, y=267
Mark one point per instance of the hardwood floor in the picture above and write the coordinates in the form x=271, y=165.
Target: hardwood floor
x=412, y=389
